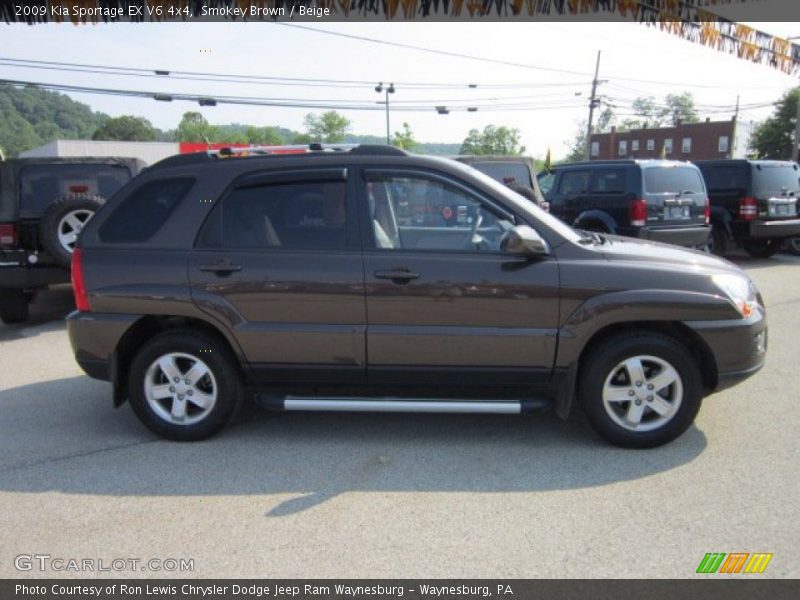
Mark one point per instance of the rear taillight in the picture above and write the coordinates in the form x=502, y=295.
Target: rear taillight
x=8, y=235
x=748, y=208
x=707, y=211
x=638, y=212
x=79, y=189
x=78, y=284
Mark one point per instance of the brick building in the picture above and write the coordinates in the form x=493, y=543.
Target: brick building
x=684, y=141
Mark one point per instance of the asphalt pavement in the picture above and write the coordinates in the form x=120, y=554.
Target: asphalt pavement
x=369, y=495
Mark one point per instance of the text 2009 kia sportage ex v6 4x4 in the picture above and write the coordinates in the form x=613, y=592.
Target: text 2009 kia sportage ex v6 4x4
x=330, y=280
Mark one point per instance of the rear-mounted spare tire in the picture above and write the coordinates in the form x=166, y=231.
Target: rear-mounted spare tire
x=63, y=220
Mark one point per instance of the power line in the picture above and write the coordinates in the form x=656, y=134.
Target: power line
x=494, y=60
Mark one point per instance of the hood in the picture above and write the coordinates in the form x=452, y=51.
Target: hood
x=632, y=249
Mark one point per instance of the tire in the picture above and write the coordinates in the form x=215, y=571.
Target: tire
x=157, y=401
x=793, y=246
x=605, y=376
x=761, y=248
x=717, y=241
x=14, y=306
x=63, y=220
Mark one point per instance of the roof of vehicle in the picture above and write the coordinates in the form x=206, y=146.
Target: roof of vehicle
x=644, y=162
x=729, y=161
x=491, y=158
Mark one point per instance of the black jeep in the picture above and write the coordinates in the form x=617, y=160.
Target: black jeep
x=44, y=204
x=753, y=202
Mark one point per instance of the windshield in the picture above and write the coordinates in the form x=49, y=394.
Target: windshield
x=505, y=172
x=523, y=205
x=776, y=177
x=674, y=180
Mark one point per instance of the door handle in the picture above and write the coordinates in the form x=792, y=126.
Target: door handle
x=223, y=267
x=397, y=276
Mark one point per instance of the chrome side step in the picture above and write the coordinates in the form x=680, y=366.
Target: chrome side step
x=400, y=405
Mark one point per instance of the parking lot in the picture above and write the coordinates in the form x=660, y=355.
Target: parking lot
x=348, y=495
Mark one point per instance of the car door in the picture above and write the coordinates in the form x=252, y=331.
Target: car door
x=444, y=303
x=279, y=262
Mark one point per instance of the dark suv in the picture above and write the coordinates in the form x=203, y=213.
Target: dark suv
x=658, y=200
x=296, y=278
x=44, y=204
x=516, y=172
x=753, y=202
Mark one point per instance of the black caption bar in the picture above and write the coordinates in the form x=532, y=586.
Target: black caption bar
x=374, y=589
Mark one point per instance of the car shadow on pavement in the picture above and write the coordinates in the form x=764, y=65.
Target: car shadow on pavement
x=64, y=436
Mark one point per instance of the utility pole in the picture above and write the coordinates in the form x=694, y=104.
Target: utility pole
x=592, y=104
x=389, y=90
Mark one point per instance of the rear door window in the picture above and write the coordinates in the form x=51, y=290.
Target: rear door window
x=724, y=178
x=573, y=183
x=776, y=179
x=41, y=184
x=608, y=181
x=673, y=180
x=305, y=215
x=143, y=213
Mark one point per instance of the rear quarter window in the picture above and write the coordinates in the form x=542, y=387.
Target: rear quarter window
x=728, y=177
x=672, y=180
x=139, y=217
x=506, y=172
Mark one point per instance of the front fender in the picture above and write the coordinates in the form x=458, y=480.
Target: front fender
x=604, y=310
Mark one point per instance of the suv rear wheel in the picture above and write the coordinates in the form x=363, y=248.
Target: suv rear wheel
x=640, y=390
x=64, y=219
x=185, y=385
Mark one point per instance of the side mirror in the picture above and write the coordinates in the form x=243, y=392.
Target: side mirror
x=524, y=240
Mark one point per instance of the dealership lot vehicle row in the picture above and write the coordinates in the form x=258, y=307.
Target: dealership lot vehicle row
x=299, y=495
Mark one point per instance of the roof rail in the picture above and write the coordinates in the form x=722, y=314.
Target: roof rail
x=286, y=150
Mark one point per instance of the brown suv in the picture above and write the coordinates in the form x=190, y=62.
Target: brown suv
x=324, y=281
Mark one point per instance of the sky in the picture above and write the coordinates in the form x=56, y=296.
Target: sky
x=636, y=60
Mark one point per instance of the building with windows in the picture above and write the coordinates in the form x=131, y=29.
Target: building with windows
x=684, y=141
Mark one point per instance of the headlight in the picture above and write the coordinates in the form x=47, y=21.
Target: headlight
x=740, y=290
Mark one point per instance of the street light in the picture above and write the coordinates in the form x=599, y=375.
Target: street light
x=388, y=90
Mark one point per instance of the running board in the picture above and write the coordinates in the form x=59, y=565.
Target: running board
x=400, y=405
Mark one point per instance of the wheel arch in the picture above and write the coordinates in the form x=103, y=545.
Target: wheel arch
x=676, y=330
x=596, y=216
x=147, y=327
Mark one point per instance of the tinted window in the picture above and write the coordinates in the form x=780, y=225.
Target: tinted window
x=724, y=178
x=609, y=181
x=426, y=214
x=774, y=178
x=574, y=182
x=662, y=180
x=297, y=216
x=546, y=181
x=143, y=213
x=505, y=172
x=41, y=184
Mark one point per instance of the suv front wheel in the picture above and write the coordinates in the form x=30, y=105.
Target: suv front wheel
x=640, y=390
x=185, y=385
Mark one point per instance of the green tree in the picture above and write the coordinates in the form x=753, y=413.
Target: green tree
x=194, y=128
x=649, y=112
x=680, y=107
x=773, y=137
x=128, y=128
x=405, y=139
x=492, y=140
x=329, y=127
x=267, y=136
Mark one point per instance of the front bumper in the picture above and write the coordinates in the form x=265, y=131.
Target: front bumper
x=692, y=237
x=739, y=347
x=770, y=230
